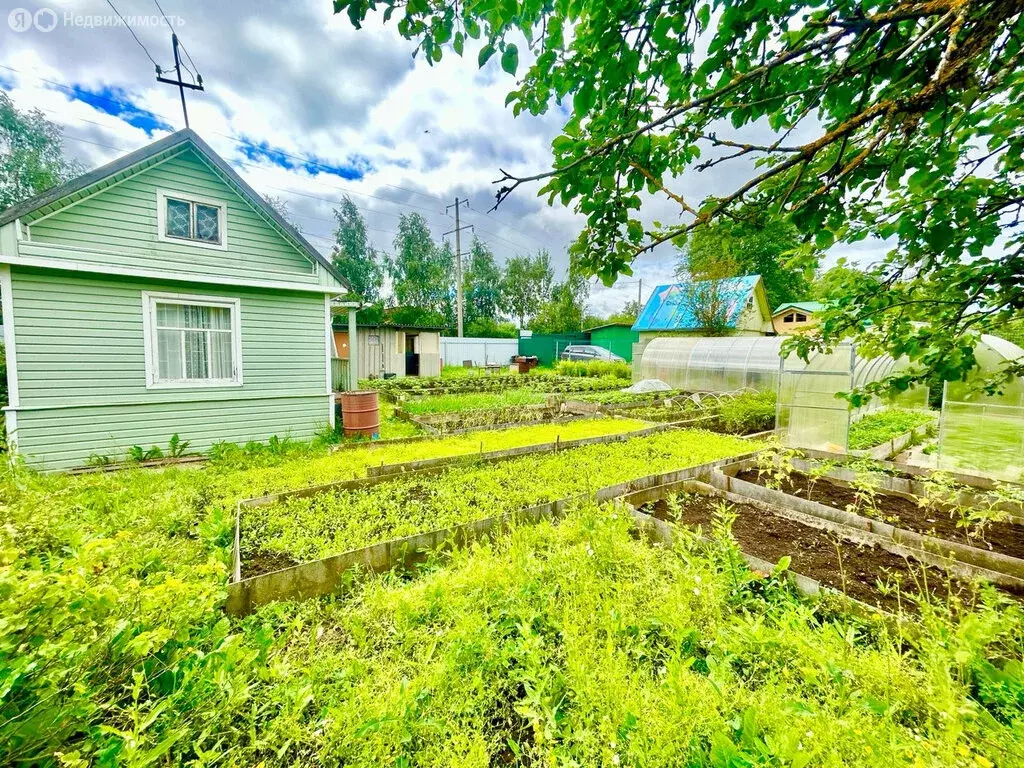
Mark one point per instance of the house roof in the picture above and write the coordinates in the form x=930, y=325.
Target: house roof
x=803, y=306
x=671, y=307
x=608, y=325
x=73, y=190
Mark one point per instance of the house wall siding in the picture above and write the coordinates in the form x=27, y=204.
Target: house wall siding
x=118, y=226
x=82, y=370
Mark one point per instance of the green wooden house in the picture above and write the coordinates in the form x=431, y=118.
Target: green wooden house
x=160, y=294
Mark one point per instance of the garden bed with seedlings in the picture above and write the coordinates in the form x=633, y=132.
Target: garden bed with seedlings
x=976, y=527
x=365, y=520
x=988, y=539
x=840, y=560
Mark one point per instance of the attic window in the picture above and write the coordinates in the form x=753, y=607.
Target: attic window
x=788, y=318
x=198, y=221
x=801, y=318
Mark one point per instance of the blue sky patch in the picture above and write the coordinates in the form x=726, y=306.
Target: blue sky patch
x=353, y=168
x=7, y=83
x=116, y=102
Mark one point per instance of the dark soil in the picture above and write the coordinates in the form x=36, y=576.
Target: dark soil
x=258, y=563
x=1006, y=538
x=851, y=568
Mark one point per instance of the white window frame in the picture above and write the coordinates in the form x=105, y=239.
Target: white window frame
x=162, y=196
x=149, y=302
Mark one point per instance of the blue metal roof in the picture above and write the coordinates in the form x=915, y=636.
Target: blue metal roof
x=671, y=307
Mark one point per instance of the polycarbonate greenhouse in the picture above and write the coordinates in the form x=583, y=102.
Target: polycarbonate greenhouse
x=809, y=413
x=712, y=364
x=984, y=432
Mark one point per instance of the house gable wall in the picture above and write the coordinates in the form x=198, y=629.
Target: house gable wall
x=118, y=227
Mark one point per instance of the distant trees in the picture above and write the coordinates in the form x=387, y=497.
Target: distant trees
x=31, y=154
x=421, y=277
x=352, y=255
x=752, y=244
x=564, y=310
x=527, y=284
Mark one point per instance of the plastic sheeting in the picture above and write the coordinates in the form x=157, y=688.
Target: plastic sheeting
x=980, y=432
x=809, y=413
x=712, y=364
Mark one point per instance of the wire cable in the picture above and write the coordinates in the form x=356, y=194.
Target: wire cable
x=132, y=33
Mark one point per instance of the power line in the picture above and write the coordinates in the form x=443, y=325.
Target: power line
x=345, y=190
x=195, y=74
x=130, y=30
x=310, y=162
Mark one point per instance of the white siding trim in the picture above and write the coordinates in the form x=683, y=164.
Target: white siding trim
x=161, y=219
x=330, y=354
x=7, y=298
x=154, y=274
x=10, y=349
x=91, y=195
x=149, y=302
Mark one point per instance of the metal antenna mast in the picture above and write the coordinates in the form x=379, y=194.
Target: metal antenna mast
x=182, y=85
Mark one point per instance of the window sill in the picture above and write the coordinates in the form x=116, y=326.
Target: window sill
x=193, y=384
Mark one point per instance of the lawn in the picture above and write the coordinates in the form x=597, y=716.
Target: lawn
x=569, y=644
x=313, y=527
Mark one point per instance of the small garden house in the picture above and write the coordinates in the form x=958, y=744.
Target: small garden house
x=731, y=306
x=796, y=316
x=160, y=295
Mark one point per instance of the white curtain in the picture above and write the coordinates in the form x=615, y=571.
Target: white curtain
x=193, y=342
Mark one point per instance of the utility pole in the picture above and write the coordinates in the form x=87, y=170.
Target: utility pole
x=458, y=259
x=182, y=85
x=639, y=295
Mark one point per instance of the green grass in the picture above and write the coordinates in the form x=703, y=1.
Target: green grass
x=313, y=527
x=565, y=644
x=473, y=401
x=876, y=428
x=594, y=368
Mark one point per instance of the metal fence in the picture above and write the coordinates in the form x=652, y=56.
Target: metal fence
x=455, y=351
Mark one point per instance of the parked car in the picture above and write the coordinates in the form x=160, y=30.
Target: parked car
x=589, y=352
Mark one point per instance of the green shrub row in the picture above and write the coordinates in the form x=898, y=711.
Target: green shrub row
x=594, y=368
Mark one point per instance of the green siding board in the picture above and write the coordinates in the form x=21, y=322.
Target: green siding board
x=122, y=221
x=82, y=377
x=58, y=440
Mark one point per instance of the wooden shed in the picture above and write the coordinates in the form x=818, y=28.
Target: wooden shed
x=402, y=350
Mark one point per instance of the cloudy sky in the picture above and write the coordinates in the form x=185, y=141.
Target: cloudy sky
x=308, y=109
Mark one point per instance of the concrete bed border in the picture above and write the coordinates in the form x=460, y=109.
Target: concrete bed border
x=911, y=488
x=323, y=576
x=856, y=535
x=964, y=478
x=1005, y=569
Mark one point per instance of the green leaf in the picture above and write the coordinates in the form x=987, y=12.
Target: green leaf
x=510, y=59
x=485, y=54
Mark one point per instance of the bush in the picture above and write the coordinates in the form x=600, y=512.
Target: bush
x=594, y=368
x=748, y=412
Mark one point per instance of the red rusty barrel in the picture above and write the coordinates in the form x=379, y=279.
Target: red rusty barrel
x=360, y=413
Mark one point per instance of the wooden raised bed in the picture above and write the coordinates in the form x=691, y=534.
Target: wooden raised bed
x=998, y=567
